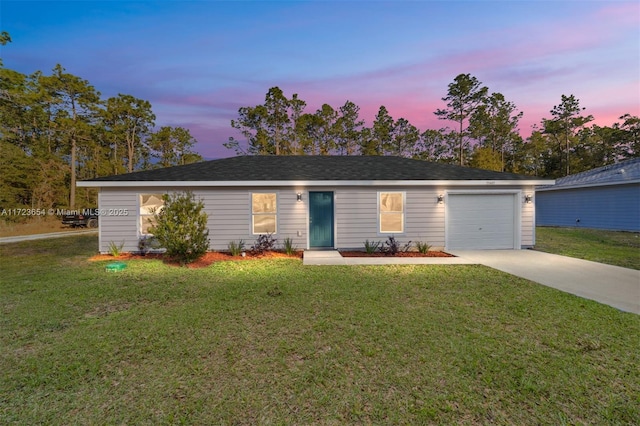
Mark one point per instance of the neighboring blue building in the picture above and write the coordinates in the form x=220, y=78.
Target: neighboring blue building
x=604, y=198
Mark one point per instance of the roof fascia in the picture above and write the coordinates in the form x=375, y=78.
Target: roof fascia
x=588, y=185
x=312, y=183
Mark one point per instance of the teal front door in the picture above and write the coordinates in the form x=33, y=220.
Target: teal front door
x=321, y=219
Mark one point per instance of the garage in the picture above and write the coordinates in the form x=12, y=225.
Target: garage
x=481, y=221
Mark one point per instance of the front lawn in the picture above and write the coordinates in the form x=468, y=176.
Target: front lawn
x=611, y=247
x=273, y=342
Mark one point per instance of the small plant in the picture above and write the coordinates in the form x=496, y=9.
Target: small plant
x=288, y=246
x=393, y=247
x=236, y=248
x=115, y=250
x=370, y=247
x=423, y=247
x=264, y=243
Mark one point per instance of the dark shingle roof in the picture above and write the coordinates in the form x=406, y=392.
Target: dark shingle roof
x=312, y=168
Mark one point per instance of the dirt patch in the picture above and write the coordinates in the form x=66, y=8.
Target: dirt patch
x=403, y=254
x=37, y=225
x=203, y=262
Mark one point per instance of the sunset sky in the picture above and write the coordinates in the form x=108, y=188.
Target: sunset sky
x=197, y=62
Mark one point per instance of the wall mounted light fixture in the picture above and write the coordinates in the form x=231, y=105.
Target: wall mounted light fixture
x=440, y=199
x=528, y=198
x=299, y=195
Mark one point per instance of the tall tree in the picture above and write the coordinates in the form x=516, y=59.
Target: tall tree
x=251, y=123
x=268, y=127
x=565, y=124
x=129, y=119
x=628, y=139
x=77, y=104
x=277, y=119
x=348, y=126
x=381, y=132
x=494, y=124
x=437, y=145
x=4, y=39
x=172, y=146
x=326, y=135
x=404, y=139
x=464, y=96
x=295, y=136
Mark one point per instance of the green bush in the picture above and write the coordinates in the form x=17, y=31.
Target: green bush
x=235, y=248
x=115, y=249
x=370, y=247
x=288, y=246
x=423, y=247
x=181, y=227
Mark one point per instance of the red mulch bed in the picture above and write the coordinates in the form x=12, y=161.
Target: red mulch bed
x=203, y=262
x=216, y=256
x=403, y=254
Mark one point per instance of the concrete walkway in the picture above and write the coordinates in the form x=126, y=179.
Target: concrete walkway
x=332, y=257
x=610, y=285
x=19, y=238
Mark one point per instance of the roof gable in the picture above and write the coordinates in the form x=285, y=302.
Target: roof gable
x=313, y=168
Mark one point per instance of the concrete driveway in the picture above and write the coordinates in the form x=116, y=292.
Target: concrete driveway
x=19, y=238
x=611, y=285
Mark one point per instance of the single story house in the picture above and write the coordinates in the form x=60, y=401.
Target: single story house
x=329, y=202
x=604, y=198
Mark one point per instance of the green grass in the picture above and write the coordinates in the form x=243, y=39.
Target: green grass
x=611, y=247
x=272, y=342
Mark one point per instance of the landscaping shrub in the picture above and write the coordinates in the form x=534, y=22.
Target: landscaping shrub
x=370, y=247
x=392, y=246
x=264, y=243
x=181, y=227
x=288, y=246
x=235, y=248
x=115, y=249
x=423, y=247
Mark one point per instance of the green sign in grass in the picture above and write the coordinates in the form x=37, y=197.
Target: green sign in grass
x=115, y=266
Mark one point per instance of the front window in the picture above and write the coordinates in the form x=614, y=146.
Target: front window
x=391, y=212
x=264, y=213
x=150, y=204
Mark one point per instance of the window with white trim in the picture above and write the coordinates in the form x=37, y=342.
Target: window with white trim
x=150, y=204
x=264, y=217
x=391, y=212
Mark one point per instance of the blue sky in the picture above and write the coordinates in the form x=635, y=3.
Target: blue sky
x=197, y=62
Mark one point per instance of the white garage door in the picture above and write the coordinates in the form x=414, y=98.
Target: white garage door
x=481, y=221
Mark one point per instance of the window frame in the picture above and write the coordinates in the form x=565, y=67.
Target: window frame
x=254, y=214
x=141, y=217
x=402, y=213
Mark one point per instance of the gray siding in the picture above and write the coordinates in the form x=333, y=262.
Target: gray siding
x=356, y=215
x=229, y=212
x=118, y=228
x=615, y=207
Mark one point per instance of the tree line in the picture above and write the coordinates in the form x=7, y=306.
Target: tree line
x=56, y=129
x=483, y=132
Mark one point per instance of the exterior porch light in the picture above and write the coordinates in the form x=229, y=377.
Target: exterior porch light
x=528, y=198
x=299, y=196
x=440, y=199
